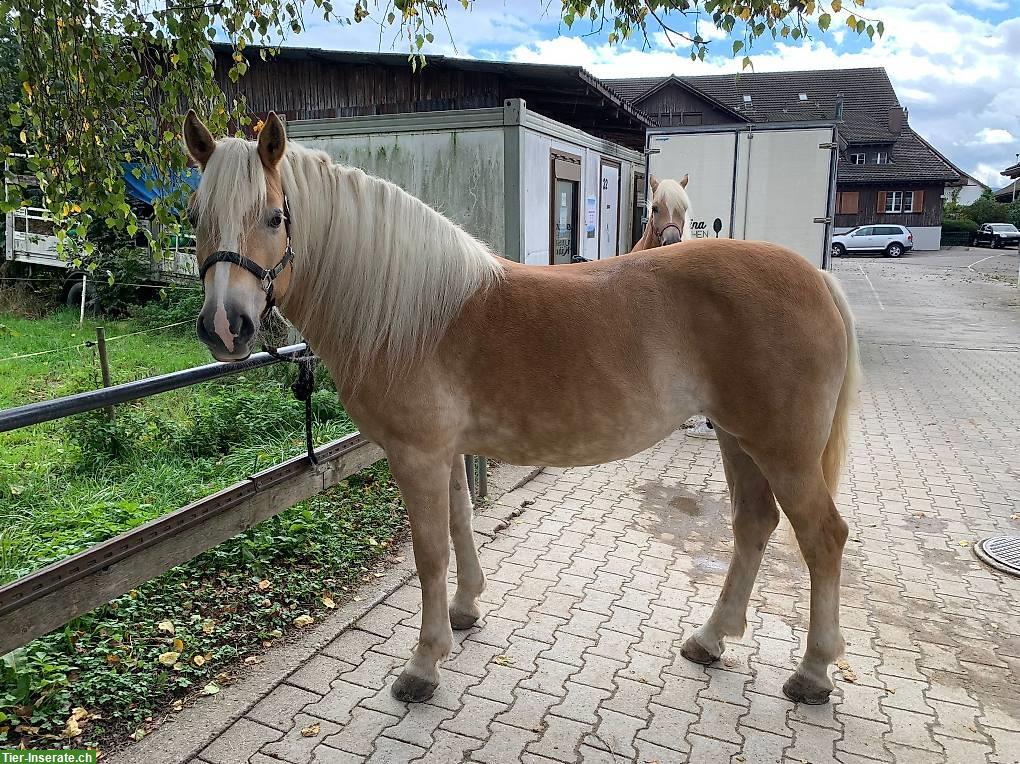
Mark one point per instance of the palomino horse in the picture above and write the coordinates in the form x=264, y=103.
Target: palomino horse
x=440, y=348
x=669, y=215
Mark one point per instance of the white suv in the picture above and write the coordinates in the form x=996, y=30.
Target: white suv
x=891, y=240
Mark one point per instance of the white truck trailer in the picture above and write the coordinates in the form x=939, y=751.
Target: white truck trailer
x=773, y=182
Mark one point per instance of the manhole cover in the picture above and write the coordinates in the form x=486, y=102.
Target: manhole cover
x=1001, y=552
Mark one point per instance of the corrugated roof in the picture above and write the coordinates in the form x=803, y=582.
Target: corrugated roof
x=868, y=100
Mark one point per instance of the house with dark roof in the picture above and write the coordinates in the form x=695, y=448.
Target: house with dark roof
x=886, y=173
x=1010, y=193
x=967, y=193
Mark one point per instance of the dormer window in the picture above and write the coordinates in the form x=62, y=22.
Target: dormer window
x=882, y=157
x=860, y=158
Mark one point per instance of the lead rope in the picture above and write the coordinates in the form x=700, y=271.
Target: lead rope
x=302, y=388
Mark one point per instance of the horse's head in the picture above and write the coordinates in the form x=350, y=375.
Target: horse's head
x=242, y=231
x=670, y=205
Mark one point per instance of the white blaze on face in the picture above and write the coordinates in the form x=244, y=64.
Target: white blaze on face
x=221, y=324
x=245, y=295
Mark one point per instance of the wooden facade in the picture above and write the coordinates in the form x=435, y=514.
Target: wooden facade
x=312, y=84
x=673, y=106
x=865, y=205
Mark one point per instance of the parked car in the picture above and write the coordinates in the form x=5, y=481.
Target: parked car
x=891, y=240
x=997, y=235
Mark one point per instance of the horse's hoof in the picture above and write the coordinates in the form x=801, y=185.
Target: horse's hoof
x=460, y=620
x=413, y=689
x=802, y=690
x=693, y=651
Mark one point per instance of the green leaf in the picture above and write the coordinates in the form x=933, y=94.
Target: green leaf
x=823, y=21
x=737, y=46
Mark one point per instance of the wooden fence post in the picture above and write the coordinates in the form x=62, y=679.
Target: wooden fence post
x=104, y=364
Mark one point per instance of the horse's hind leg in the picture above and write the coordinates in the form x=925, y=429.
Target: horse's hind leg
x=424, y=480
x=754, y=518
x=821, y=535
x=464, y=611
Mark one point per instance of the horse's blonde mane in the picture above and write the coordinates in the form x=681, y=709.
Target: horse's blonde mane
x=378, y=274
x=232, y=190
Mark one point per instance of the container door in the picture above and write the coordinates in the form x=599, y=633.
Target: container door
x=609, y=210
x=709, y=159
x=566, y=188
x=564, y=215
x=787, y=189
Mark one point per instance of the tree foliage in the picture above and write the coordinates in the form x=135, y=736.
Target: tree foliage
x=99, y=84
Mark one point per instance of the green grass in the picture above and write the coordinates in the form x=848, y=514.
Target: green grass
x=68, y=484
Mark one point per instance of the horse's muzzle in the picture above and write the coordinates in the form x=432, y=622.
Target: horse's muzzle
x=228, y=333
x=671, y=234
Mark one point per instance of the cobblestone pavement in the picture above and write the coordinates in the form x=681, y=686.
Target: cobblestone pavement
x=604, y=572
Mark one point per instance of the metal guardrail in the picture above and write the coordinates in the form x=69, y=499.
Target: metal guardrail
x=79, y=403
x=40, y=602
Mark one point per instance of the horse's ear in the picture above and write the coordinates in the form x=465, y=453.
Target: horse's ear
x=683, y=181
x=272, y=141
x=198, y=139
x=654, y=183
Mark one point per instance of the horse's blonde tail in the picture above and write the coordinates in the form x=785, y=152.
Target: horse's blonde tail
x=834, y=455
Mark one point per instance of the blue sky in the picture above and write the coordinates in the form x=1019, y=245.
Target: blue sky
x=955, y=63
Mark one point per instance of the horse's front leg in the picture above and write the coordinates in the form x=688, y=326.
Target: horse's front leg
x=424, y=481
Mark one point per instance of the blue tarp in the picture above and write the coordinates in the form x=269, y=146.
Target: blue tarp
x=153, y=184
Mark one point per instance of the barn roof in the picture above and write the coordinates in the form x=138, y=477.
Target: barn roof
x=568, y=94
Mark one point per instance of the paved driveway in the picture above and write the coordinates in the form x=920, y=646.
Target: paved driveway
x=605, y=571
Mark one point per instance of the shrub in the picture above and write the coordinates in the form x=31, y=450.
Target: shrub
x=223, y=418
x=986, y=210
x=963, y=225
x=239, y=414
x=172, y=305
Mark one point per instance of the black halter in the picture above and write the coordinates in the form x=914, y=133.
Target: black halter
x=266, y=276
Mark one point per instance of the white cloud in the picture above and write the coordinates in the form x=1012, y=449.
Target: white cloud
x=990, y=176
x=992, y=136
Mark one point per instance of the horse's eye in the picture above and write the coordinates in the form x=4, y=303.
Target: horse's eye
x=276, y=220
x=655, y=209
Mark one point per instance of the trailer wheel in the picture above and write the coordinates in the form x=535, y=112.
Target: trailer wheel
x=73, y=295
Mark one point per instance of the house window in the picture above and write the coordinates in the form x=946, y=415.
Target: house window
x=894, y=202
x=858, y=158
x=692, y=118
x=882, y=157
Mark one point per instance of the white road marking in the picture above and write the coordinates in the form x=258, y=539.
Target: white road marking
x=971, y=266
x=873, y=290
